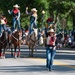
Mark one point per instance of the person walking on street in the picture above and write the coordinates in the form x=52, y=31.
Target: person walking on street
x=50, y=48
x=16, y=17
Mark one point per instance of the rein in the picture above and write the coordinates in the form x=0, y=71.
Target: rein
x=33, y=40
x=15, y=38
x=3, y=42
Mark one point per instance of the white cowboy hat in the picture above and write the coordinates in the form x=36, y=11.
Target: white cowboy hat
x=34, y=9
x=16, y=6
x=51, y=30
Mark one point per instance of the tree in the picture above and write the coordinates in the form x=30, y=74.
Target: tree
x=56, y=8
x=62, y=9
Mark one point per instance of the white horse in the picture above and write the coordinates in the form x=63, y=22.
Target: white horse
x=32, y=41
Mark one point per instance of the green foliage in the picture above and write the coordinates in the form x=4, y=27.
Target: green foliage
x=52, y=7
x=6, y=5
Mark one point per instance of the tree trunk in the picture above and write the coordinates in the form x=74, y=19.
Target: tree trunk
x=73, y=21
x=74, y=25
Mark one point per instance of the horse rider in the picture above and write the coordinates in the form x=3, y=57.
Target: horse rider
x=3, y=22
x=50, y=49
x=33, y=19
x=16, y=17
x=49, y=21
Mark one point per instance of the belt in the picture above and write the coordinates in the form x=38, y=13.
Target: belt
x=50, y=45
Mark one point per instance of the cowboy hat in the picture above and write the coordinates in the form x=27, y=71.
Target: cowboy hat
x=51, y=30
x=34, y=9
x=16, y=6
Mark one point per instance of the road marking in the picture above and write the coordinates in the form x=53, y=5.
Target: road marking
x=56, y=63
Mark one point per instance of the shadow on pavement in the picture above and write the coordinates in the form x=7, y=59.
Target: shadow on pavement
x=35, y=68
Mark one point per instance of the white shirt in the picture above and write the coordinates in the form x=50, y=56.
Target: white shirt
x=2, y=21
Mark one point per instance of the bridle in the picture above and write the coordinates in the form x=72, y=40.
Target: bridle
x=17, y=39
x=3, y=42
x=35, y=40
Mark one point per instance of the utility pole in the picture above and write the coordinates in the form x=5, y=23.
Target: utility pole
x=43, y=12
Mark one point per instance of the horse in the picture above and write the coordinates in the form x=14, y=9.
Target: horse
x=15, y=41
x=3, y=44
x=32, y=41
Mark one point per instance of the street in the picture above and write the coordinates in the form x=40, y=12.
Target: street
x=64, y=63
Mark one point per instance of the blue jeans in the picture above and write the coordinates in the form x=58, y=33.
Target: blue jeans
x=15, y=21
x=2, y=27
x=47, y=56
x=8, y=30
x=50, y=54
x=32, y=24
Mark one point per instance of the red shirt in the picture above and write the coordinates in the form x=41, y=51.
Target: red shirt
x=52, y=41
x=49, y=20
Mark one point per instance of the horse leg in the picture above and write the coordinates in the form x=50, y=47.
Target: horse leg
x=32, y=52
x=11, y=49
x=0, y=53
x=35, y=50
x=3, y=53
x=29, y=51
x=11, y=52
x=15, y=55
x=18, y=52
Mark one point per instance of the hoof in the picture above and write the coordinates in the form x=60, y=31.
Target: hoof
x=15, y=57
x=2, y=57
x=18, y=56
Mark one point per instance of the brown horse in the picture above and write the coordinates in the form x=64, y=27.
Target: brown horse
x=15, y=41
x=3, y=44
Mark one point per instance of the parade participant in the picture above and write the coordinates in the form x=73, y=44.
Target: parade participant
x=33, y=19
x=3, y=22
x=16, y=17
x=49, y=20
x=51, y=48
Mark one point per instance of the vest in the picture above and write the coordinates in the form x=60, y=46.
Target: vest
x=15, y=12
x=51, y=40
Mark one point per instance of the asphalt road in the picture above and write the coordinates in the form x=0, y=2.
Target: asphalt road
x=64, y=63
